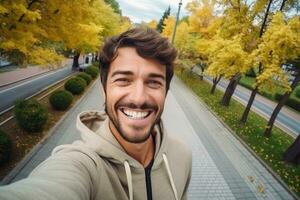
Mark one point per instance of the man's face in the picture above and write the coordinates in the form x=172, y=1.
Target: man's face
x=135, y=95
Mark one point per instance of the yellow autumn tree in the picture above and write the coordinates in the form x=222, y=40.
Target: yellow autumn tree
x=202, y=19
x=280, y=43
x=20, y=34
x=30, y=31
x=152, y=24
x=169, y=27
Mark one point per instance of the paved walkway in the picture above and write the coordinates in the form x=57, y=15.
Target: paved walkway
x=222, y=167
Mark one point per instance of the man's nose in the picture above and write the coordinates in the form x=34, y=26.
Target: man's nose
x=138, y=94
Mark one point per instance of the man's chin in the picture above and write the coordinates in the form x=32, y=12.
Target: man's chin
x=136, y=138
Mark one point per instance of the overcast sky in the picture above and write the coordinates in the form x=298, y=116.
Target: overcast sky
x=146, y=10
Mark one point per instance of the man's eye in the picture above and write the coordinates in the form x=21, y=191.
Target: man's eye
x=122, y=81
x=154, y=84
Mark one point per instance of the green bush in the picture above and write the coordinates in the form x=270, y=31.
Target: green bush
x=61, y=99
x=93, y=71
x=297, y=91
x=251, y=73
x=294, y=102
x=31, y=115
x=5, y=147
x=75, y=85
x=86, y=77
x=278, y=96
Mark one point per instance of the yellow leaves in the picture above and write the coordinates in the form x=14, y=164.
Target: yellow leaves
x=169, y=26
x=7, y=45
x=261, y=188
x=3, y=9
x=182, y=36
x=152, y=24
x=280, y=43
x=40, y=55
x=227, y=57
x=80, y=25
x=202, y=19
x=33, y=16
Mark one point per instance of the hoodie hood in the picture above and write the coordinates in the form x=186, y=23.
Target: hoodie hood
x=96, y=135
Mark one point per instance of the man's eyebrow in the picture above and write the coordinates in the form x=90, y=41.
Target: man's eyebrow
x=154, y=75
x=120, y=72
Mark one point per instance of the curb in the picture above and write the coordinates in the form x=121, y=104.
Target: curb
x=269, y=169
x=8, y=178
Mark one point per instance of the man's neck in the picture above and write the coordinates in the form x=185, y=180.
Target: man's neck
x=142, y=152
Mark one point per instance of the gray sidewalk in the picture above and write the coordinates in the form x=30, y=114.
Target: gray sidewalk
x=222, y=167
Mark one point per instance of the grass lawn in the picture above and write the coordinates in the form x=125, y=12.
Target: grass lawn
x=268, y=149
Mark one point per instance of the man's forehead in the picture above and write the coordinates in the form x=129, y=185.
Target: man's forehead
x=127, y=59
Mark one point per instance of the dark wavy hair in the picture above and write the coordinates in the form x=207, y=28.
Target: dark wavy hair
x=148, y=44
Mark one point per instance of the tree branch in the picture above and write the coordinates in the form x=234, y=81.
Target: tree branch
x=23, y=15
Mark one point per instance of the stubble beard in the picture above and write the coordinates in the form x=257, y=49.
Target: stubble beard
x=123, y=134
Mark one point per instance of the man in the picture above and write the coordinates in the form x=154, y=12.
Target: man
x=125, y=153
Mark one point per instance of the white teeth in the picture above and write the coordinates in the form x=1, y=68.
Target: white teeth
x=135, y=114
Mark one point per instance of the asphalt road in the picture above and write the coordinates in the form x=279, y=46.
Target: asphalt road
x=9, y=95
x=283, y=119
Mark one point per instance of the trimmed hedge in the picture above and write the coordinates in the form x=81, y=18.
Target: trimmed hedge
x=297, y=91
x=86, y=77
x=61, y=99
x=93, y=71
x=31, y=115
x=75, y=85
x=5, y=147
x=251, y=73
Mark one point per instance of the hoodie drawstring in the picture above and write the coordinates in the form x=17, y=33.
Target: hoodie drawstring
x=129, y=179
x=170, y=175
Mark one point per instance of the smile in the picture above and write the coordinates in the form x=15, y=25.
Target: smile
x=133, y=114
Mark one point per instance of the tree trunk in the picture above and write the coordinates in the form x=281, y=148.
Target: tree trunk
x=230, y=89
x=249, y=104
x=216, y=80
x=254, y=92
x=201, y=75
x=75, y=64
x=292, y=154
x=280, y=104
x=93, y=57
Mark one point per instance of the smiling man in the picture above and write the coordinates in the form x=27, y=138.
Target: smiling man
x=125, y=152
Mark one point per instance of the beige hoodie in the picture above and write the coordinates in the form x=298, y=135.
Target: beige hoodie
x=97, y=167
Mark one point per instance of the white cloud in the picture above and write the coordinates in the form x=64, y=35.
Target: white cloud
x=146, y=10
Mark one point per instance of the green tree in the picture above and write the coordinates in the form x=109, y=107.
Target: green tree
x=161, y=24
x=115, y=6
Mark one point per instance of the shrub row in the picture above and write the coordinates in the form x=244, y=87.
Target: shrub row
x=93, y=71
x=32, y=116
x=5, y=147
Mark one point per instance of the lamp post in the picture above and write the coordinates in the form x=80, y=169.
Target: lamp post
x=176, y=22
